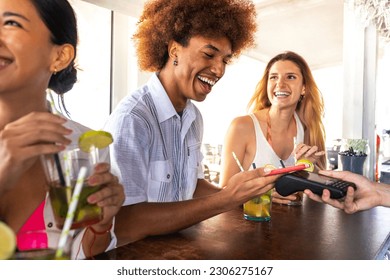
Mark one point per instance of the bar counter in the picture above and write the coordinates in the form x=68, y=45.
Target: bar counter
x=313, y=231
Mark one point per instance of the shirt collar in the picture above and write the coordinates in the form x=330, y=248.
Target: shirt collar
x=162, y=102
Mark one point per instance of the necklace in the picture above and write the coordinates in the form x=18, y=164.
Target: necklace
x=269, y=136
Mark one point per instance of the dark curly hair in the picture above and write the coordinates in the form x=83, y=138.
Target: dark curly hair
x=166, y=20
x=59, y=17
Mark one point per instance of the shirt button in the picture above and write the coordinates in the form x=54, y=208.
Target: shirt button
x=49, y=225
x=168, y=176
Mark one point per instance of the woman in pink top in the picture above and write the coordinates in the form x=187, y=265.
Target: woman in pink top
x=38, y=41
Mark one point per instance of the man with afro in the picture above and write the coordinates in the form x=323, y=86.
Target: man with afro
x=158, y=130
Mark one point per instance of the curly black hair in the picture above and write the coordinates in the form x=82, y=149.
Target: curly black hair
x=60, y=18
x=166, y=20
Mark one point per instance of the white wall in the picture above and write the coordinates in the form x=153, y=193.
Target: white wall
x=330, y=82
x=229, y=98
x=383, y=91
x=89, y=100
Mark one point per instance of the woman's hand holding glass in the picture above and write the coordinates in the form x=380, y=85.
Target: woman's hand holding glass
x=23, y=140
x=110, y=198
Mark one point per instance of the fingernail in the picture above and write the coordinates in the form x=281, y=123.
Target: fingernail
x=91, y=199
x=92, y=180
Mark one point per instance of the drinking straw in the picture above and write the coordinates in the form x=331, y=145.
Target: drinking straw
x=53, y=108
x=71, y=211
x=59, y=169
x=68, y=167
x=237, y=161
x=56, y=157
x=94, y=154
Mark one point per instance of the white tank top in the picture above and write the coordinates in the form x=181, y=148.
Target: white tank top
x=264, y=152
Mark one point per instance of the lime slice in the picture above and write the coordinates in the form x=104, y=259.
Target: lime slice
x=306, y=161
x=94, y=138
x=265, y=211
x=269, y=167
x=265, y=199
x=7, y=241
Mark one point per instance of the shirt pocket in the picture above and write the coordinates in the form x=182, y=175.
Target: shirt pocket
x=194, y=155
x=161, y=171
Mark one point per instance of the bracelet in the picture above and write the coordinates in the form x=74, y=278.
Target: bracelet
x=100, y=232
x=94, y=237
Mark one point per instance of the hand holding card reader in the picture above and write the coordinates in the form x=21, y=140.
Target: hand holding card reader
x=302, y=180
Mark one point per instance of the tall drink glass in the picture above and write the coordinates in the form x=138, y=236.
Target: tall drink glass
x=62, y=170
x=259, y=208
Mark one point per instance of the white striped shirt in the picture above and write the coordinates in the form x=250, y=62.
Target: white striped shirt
x=156, y=153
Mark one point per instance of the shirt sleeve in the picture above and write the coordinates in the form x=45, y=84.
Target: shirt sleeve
x=130, y=154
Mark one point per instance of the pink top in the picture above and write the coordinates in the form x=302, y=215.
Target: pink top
x=27, y=240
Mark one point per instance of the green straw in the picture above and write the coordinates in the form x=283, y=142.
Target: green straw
x=71, y=211
x=67, y=158
x=52, y=104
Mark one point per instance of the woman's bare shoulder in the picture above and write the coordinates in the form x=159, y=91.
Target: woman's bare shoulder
x=242, y=122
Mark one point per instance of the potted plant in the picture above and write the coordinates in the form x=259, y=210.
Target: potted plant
x=353, y=154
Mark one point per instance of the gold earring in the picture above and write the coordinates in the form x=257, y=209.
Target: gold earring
x=55, y=71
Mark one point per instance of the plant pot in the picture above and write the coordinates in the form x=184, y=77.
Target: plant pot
x=354, y=164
